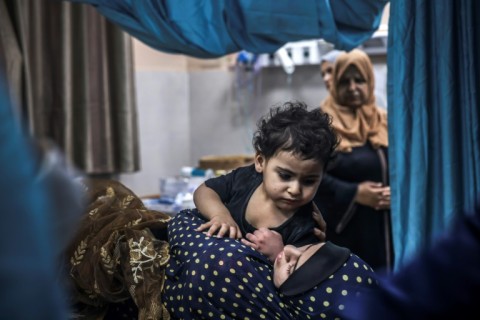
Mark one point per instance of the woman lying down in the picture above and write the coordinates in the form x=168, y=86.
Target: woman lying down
x=220, y=278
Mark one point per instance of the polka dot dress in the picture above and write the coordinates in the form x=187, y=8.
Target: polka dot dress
x=220, y=278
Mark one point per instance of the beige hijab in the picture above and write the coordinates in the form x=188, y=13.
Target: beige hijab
x=356, y=126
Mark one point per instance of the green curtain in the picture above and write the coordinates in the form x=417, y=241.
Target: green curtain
x=71, y=72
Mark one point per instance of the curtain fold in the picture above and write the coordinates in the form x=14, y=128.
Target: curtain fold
x=433, y=118
x=76, y=82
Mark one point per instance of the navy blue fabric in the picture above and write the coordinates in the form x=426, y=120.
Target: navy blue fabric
x=440, y=283
x=220, y=278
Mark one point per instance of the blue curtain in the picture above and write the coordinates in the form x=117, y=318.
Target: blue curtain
x=433, y=110
x=213, y=28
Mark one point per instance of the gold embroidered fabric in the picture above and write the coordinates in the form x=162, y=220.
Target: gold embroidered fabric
x=115, y=256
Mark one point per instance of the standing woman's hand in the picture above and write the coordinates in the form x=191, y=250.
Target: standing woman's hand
x=374, y=195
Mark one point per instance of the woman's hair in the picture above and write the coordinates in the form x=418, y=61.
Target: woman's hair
x=293, y=128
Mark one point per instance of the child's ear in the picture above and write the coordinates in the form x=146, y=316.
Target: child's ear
x=259, y=162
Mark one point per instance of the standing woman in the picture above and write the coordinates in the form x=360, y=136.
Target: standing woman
x=354, y=196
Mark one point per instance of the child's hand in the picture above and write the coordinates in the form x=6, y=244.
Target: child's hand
x=266, y=241
x=319, y=232
x=223, y=225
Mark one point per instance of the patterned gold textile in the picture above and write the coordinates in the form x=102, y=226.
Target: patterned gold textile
x=115, y=256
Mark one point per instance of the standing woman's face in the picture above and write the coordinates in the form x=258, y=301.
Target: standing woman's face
x=326, y=69
x=352, y=88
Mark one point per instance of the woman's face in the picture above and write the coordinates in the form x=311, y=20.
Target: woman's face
x=326, y=69
x=352, y=88
x=289, y=260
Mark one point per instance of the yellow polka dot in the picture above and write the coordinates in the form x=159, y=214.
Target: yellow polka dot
x=260, y=285
x=232, y=271
x=312, y=298
x=220, y=262
x=344, y=292
x=249, y=310
x=345, y=277
x=235, y=305
x=365, y=267
x=210, y=314
x=310, y=309
x=369, y=280
x=212, y=284
x=206, y=266
x=281, y=305
x=240, y=287
x=262, y=316
x=264, y=310
x=200, y=300
x=202, y=277
x=212, y=256
x=210, y=294
x=326, y=303
x=254, y=295
x=269, y=299
x=250, y=274
x=240, y=263
x=191, y=244
x=222, y=300
x=238, y=295
x=355, y=265
x=222, y=317
x=329, y=290
x=181, y=309
x=229, y=254
x=245, y=280
x=359, y=279
x=197, y=260
x=227, y=280
x=224, y=289
x=193, y=272
x=215, y=273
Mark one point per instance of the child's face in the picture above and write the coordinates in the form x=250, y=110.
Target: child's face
x=288, y=181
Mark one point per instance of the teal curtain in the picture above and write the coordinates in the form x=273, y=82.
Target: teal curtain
x=433, y=110
x=211, y=28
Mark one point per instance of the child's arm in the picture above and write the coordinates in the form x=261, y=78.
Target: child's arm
x=265, y=241
x=221, y=223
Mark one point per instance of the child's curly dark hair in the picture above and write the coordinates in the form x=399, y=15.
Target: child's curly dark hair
x=292, y=127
